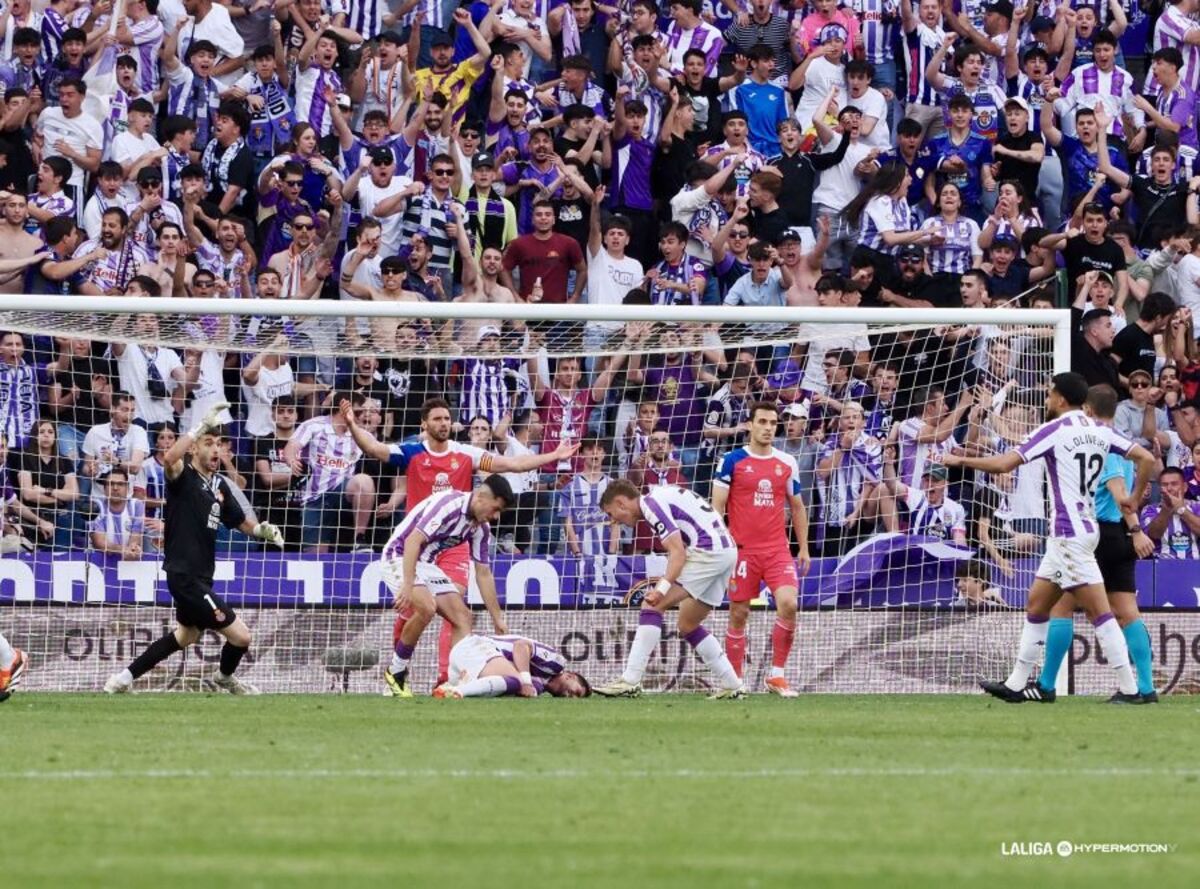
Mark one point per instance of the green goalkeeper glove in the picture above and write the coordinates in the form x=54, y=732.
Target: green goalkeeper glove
x=270, y=533
x=210, y=422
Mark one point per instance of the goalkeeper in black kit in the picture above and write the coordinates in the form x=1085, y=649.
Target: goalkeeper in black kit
x=198, y=502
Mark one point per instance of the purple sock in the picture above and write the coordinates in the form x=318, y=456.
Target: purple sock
x=1103, y=619
x=1037, y=618
x=696, y=636
x=648, y=617
x=512, y=685
x=404, y=651
x=538, y=685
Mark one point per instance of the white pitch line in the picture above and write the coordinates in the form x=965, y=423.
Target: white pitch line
x=576, y=774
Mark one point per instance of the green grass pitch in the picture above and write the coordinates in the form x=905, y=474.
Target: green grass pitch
x=879, y=791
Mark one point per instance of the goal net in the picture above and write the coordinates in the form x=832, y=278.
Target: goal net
x=917, y=574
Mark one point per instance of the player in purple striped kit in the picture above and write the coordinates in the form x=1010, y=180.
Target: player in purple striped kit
x=701, y=556
x=439, y=523
x=1074, y=447
x=494, y=666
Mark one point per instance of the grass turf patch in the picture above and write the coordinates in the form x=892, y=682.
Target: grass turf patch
x=877, y=791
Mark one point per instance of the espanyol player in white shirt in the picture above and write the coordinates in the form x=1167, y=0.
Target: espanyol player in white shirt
x=1074, y=447
x=701, y=556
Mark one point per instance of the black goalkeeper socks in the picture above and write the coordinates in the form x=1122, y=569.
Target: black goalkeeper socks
x=159, y=650
x=231, y=656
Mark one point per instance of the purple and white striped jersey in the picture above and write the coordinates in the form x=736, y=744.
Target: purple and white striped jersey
x=1033, y=94
x=671, y=510
x=921, y=44
x=593, y=97
x=58, y=204
x=1185, y=163
x=1179, y=105
x=484, y=390
x=1074, y=447
x=154, y=484
x=208, y=256
x=1177, y=541
x=366, y=17
x=944, y=521
x=703, y=37
x=956, y=254
x=1087, y=86
x=914, y=454
x=310, y=104
x=1171, y=30
x=53, y=26
x=148, y=35
x=579, y=501
x=862, y=465
x=429, y=12
x=445, y=520
x=631, y=171
x=19, y=406
x=884, y=214
x=1028, y=220
x=877, y=21
x=545, y=663
x=331, y=458
x=119, y=527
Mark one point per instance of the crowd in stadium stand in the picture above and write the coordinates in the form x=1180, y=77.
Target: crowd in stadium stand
x=737, y=153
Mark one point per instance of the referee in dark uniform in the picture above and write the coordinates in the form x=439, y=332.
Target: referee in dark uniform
x=198, y=501
x=1122, y=543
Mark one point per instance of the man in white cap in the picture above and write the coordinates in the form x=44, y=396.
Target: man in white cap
x=801, y=446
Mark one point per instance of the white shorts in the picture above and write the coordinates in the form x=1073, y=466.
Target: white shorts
x=706, y=575
x=469, y=656
x=428, y=575
x=1070, y=563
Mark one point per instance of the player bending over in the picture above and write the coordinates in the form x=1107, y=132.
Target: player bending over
x=13, y=664
x=437, y=464
x=1074, y=448
x=1122, y=543
x=700, y=560
x=492, y=666
x=198, y=501
x=410, y=568
x=750, y=491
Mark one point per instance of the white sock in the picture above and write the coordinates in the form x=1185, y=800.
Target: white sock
x=1116, y=652
x=126, y=677
x=398, y=663
x=713, y=655
x=776, y=672
x=7, y=654
x=1029, y=652
x=645, y=640
x=483, y=687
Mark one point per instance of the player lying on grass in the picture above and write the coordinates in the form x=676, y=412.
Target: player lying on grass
x=13, y=664
x=492, y=666
x=198, y=501
x=1122, y=543
x=700, y=560
x=410, y=568
x=1074, y=448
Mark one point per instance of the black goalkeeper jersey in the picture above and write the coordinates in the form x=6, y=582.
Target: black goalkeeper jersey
x=195, y=509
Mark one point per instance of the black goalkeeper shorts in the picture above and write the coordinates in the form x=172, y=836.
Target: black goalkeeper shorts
x=196, y=605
